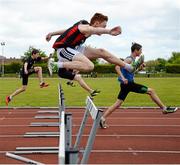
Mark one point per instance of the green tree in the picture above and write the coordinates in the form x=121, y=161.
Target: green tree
x=28, y=53
x=161, y=65
x=151, y=66
x=95, y=62
x=173, y=65
x=175, y=58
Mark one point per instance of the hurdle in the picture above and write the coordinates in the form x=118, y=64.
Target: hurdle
x=67, y=153
x=23, y=159
x=96, y=116
x=44, y=124
x=44, y=150
x=46, y=117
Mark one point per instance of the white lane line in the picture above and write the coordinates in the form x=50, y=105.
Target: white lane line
x=139, y=118
x=164, y=136
x=135, y=151
x=14, y=125
x=2, y=118
x=19, y=118
x=107, y=135
x=124, y=151
x=111, y=125
x=120, y=111
x=130, y=149
x=140, y=125
x=122, y=118
x=75, y=112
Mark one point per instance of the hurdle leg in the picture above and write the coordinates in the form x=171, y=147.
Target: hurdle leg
x=81, y=129
x=91, y=138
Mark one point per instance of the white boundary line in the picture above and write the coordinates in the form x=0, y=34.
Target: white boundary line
x=100, y=135
x=125, y=151
x=140, y=118
x=111, y=125
x=110, y=118
x=77, y=107
x=136, y=151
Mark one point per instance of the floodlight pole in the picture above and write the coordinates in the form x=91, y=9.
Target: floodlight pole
x=3, y=45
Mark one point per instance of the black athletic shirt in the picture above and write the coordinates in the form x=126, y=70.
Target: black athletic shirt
x=72, y=37
x=30, y=62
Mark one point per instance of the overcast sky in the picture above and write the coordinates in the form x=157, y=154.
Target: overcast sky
x=155, y=24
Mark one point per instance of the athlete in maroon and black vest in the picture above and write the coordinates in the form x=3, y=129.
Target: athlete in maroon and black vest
x=72, y=37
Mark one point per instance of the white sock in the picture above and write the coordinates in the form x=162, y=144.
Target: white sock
x=128, y=67
x=10, y=97
x=102, y=118
x=164, y=108
x=41, y=82
x=59, y=64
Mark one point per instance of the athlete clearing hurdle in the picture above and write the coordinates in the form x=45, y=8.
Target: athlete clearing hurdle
x=73, y=56
x=27, y=70
x=128, y=85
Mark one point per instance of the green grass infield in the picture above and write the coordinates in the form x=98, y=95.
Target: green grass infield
x=168, y=89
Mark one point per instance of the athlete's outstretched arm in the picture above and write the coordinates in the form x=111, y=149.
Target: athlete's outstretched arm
x=90, y=30
x=49, y=35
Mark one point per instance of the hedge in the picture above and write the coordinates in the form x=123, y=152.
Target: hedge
x=103, y=68
x=173, y=68
x=15, y=67
x=12, y=68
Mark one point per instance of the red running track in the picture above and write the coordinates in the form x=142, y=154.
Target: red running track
x=135, y=136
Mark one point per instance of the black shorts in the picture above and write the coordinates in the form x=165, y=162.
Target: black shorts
x=131, y=87
x=25, y=76
x=67, y=74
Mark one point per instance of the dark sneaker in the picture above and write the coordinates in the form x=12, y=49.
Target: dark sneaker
x=103, y=124
x=71, y=83
x=138, y=63
x=95, y=92
x=169, y=110
x=7, y=100
x=42, y=85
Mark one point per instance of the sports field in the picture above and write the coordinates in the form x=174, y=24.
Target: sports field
x=130, y=129
x=167, y=89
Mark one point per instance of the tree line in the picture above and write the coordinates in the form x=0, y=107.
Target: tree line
x=172, y=65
